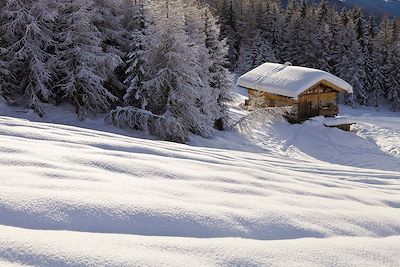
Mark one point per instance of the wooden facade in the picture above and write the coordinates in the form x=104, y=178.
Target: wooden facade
x=269, y=100
x=316, y=101
x=321, y=99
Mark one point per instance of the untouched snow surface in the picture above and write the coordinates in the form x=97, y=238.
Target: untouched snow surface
x=280, y=194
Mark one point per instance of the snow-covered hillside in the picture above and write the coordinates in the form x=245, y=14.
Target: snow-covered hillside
x=299, y=195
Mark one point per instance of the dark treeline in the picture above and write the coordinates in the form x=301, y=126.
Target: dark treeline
x=343, y=42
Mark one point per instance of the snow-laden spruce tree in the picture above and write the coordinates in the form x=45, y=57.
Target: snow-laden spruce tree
x=263, y=51
x=307, y=45
x=82, y=66
x=139, y=38
x=393, y=94
x=170, y=101
x=198, y=34
x=291, y=39
x=193, y=23
x=257, y=51
x=271, y=25
x=256, y=47
x=384, y=45
x=247, y=33
x=131, y=15
x=107, y=19
x=374, y=84
x=4, y=72
x=4, y=75
x=322, y=37
x=229, y=32
x=350, y=61
x=218, y=74
x=392, y=79
x=27, y=30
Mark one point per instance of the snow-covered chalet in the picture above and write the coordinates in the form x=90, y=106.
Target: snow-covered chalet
x=311, y=92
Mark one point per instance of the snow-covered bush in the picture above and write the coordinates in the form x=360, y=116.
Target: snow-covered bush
x=167, y=128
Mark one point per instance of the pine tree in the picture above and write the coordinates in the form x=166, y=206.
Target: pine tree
x=245, y=61
x=374, y=84
x=306, y=47
x=322, y=37
x=175, y=99
x=351, y=65
x=108, y=21
x=174, y=82
x=219, y=80
x=393, y=94
x=135, y=73
x=290, y=44
x=229, y=32
x=195, y=29
x=276, y=24
x=4, y=75
x=385, y=39
x=335, y=36
x=28, y=30
x=83, y=66
x=322, y=12
x=256, y=47
x=262, y=50
x=393, y=70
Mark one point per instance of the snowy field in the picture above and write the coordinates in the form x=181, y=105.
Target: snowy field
x=87, y=194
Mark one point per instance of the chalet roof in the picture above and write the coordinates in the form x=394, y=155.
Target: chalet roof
x=287, y=80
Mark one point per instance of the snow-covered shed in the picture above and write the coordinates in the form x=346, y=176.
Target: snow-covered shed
x=311, y=92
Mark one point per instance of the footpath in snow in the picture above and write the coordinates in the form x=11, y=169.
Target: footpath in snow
x=88, y=194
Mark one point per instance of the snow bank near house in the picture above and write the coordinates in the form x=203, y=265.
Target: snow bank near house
x=366, y=146
x=287, y=80
x=379, y=128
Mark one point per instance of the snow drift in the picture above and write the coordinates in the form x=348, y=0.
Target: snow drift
x=76, y=196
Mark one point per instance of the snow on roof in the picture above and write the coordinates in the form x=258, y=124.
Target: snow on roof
x=287, y=80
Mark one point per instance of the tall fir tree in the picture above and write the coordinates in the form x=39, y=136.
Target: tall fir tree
x=385, y=40
x=83, y=66
x=107, y=19
x=392, y=68
x=393, y=93
x=322, y=37
x=290, y=41
x=179, y=92
x=219, y=79
x=374, y=84
x=229, y=32
x=139, y=38
x=28, y=30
